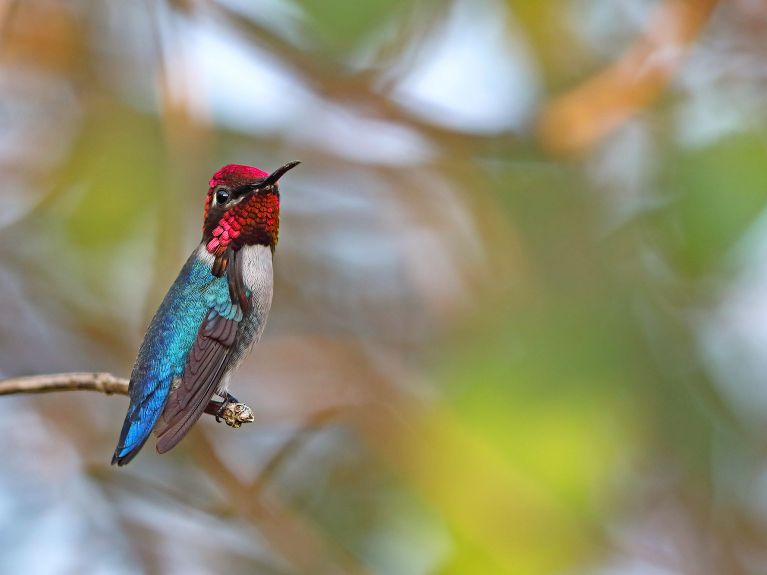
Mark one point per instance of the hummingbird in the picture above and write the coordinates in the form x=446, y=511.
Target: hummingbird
x=211, y=317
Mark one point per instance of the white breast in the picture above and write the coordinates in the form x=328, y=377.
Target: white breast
x=258, y=277
x=256, y=262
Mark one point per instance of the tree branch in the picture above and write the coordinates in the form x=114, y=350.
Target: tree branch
x=87, y=381
x=234, y=414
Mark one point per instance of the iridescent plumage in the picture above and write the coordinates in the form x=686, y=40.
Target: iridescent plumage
x=211, y=316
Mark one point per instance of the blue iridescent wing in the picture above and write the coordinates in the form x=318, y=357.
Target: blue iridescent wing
x=163, y=355
x=205, y=366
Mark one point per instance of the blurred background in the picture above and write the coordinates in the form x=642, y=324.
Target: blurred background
x=521, y=285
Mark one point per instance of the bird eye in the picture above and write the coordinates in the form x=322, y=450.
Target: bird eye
x=222, y=196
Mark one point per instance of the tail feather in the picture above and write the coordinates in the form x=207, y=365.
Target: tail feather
x=123, y=456
x=139, y=422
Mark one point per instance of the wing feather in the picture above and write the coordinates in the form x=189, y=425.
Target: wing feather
x=205, y=366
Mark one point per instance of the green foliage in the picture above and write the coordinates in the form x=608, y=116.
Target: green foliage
x=714, y=193
x=341, y=27
x=116, y=175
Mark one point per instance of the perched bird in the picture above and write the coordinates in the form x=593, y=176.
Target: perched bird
x=212, y=315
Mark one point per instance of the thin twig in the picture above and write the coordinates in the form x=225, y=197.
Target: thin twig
x=234, y=414
x=86, y=381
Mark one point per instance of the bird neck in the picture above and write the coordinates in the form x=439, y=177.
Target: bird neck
x=254, y=222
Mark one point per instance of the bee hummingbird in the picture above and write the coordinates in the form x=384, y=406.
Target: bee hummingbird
x=212, y=315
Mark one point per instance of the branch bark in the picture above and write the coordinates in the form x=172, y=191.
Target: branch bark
x=86, y=381
x=234, y=414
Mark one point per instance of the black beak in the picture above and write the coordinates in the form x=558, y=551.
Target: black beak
x=272, y=178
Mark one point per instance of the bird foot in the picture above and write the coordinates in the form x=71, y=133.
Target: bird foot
x=235, y=414
x=231, y=411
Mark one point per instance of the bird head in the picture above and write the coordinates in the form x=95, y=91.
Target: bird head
x=242, y=208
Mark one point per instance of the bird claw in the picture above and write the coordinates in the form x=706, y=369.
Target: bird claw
x=231, y=412
x=235, y=414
